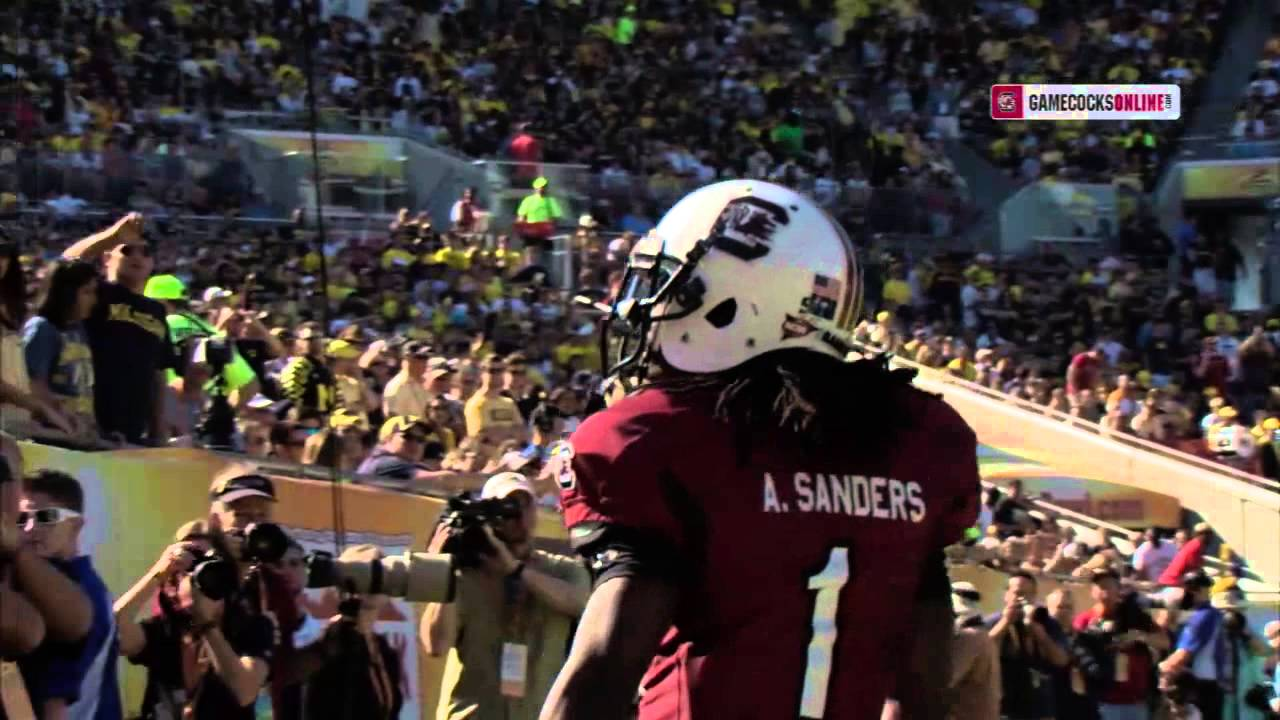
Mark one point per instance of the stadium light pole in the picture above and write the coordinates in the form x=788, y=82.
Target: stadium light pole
x=309, y=8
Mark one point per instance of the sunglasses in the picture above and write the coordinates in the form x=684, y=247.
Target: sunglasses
x=47, y=516
x=131, y=250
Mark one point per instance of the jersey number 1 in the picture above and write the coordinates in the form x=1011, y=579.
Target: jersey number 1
x=817, y=672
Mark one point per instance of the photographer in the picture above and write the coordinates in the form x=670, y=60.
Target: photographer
x=351, y=672
x=1201, y=650
x=1120, y=639
x=1031, y=650
x=1246, y=696
x=238, y=379
x=205, y=657
x=509, y=625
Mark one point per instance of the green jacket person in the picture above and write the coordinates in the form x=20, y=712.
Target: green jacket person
x=241, y=381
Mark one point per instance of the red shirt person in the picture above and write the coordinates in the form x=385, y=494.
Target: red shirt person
x=1189, y=558
x=1084, y=372
x=1123, y=633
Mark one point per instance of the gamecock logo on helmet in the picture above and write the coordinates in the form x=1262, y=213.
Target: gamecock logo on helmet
x=1007, y=102
x=746, y=227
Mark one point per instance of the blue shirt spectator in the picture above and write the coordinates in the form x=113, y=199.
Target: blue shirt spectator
x=80, y=676
x=83, y=674
x=1203, y=632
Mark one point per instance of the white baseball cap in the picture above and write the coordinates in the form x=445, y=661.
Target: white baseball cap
x=505, y=483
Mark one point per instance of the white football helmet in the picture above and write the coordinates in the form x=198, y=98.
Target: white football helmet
x=735, y=270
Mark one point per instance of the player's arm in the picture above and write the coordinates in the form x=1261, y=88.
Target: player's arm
x=618, y=635
x=923, y=687
x=924, y=692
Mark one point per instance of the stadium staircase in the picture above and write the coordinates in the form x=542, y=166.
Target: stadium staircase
x=1244, y=509
x=1246, y=35
x=989, y=186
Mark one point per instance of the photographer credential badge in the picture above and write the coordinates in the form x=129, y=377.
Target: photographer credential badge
x=515, y=661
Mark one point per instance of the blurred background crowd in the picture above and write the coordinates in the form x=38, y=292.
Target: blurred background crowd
x=152, y=294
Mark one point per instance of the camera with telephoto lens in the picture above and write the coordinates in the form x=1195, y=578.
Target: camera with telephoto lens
x=465, y=518
x=216, y=352
x=215, y=577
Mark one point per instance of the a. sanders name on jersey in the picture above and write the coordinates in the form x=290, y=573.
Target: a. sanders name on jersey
x=852, y=495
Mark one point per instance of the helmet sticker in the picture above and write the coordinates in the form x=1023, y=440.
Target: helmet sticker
x=746, y=227
x=795, y=326
x=824, y=298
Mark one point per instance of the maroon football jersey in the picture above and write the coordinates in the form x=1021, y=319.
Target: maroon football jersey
x=805, y=568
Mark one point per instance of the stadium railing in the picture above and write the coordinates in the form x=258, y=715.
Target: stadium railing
x=1223, y=146
x=1243, y=508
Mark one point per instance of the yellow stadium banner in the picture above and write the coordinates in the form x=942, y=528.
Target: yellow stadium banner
x=136, y=499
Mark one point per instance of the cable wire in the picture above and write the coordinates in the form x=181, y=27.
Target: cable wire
x=309, y=7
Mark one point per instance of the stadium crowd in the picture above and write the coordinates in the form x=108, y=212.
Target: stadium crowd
x=656, y=98
x=1143, y=344
x=1256, y=113
x=447, y=362
x=435, y=359
x=1145, y=42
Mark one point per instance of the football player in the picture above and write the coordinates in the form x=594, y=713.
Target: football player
x=765, y=520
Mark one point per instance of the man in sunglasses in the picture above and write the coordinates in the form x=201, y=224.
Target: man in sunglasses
x=74, y=680
x=403, y=444
x=128, y=335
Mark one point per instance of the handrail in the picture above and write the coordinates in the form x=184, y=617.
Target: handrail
x=1091, y=429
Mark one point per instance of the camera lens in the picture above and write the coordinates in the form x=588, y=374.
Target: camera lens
x=266, y=542
x=215, y=578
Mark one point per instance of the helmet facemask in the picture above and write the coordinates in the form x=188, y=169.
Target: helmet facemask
x=652, y=279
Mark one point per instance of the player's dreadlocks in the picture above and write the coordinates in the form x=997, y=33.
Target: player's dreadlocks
x=818, y=399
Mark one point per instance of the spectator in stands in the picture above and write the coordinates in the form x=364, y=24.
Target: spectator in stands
x=340, y=446
x=403, y=442
x=56, y=347
x=1189, y=558
x=488, y=409
x=1011, y=514
x=1153, y=556
x=128, y=335
x=256, y=437
x=288, y=439
x=22, y=628
x=548, y=592
x=406, y=392
x=1200, y=651
x=306, y=379
x=18, y=402
x=466, y=213
x=75, y=680
x=65, y=612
